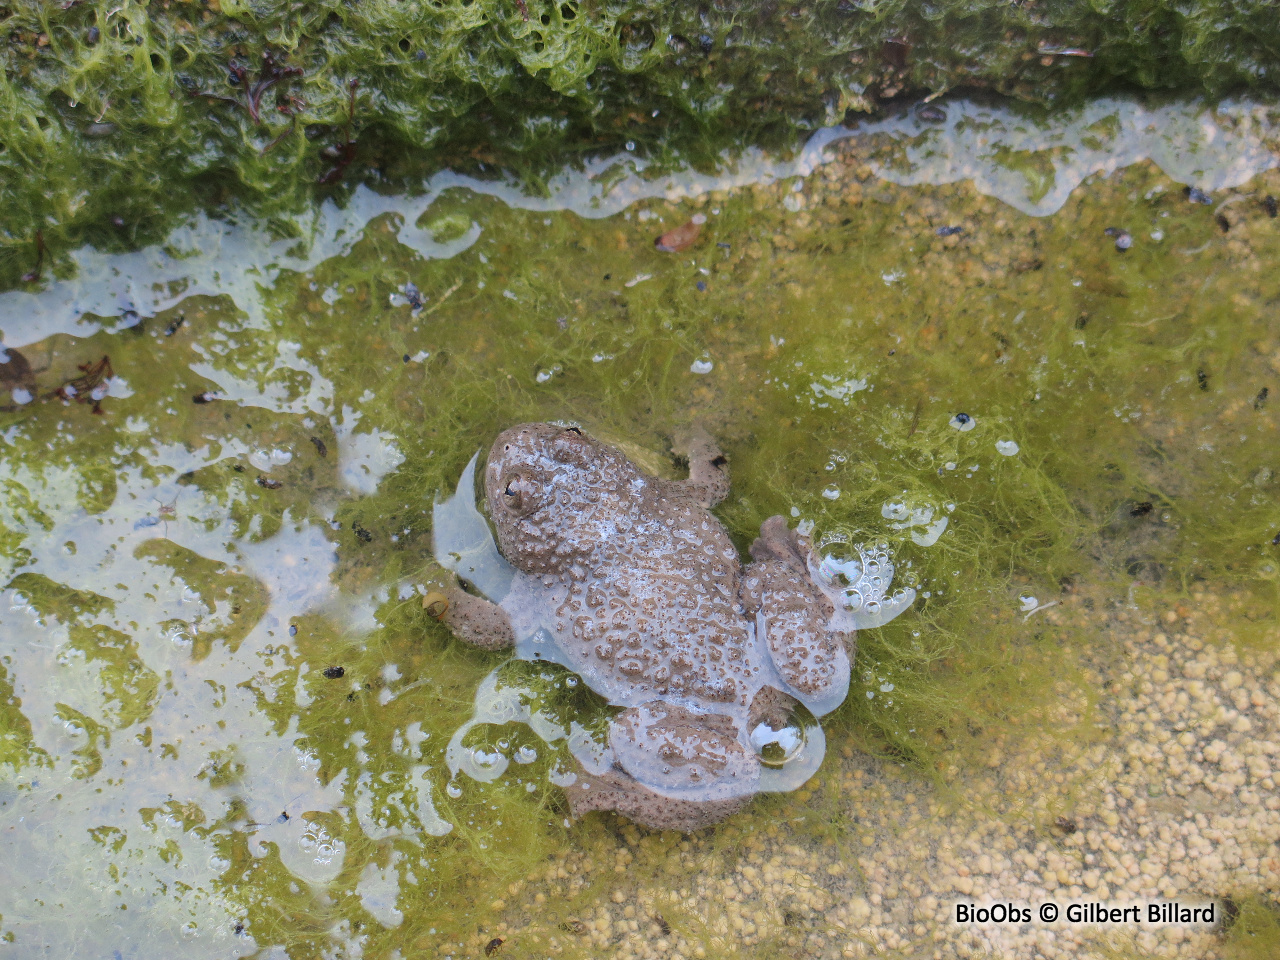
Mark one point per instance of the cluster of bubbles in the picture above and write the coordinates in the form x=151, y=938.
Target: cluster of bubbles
x=20, y=603
x=919, y=520
x=859, y=586
x=544, y=375
x=317, y=841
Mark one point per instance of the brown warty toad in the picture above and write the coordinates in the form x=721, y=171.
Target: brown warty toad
x=640, y=591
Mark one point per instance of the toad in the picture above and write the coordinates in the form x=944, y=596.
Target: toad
x=631, y=582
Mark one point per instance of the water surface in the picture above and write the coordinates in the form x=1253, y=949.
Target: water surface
x=224, y=714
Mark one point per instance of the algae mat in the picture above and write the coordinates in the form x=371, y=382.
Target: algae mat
x=225, y=714
x=116, y=115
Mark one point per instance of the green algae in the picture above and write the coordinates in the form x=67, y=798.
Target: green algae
x=197, y=610
x=1253, y=929
x=121, y=115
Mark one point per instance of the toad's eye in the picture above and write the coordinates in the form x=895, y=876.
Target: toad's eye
x=519, y=494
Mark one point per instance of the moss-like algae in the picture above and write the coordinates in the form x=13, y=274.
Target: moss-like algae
x=117, y=115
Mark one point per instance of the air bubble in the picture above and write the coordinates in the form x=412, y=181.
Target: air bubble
x=701, y=365
x=831, y=493
x=1006, y=448
x=858, y=586
x=777, y=746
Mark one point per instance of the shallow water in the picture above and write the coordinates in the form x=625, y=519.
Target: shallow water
x=225, y=717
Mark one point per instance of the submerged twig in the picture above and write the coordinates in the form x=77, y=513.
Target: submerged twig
x=270, y=74
x=90, y=387
x=444, y=296
x=1044, y=606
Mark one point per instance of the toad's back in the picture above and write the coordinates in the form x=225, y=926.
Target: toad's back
x=637, y=583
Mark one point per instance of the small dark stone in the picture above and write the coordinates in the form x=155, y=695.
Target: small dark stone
x=1142, y=509
x=948, y=231
x=362, y=533
x=320, y=447
x=1260, y=400
x=1269, y=204
x=334, y=673
x=1223, y=223
x=1202, y=379
x=701, y=286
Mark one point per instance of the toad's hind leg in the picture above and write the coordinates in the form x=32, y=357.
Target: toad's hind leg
x=681, y=754
x=793, y=615
x=615, y=790
x=708, y=481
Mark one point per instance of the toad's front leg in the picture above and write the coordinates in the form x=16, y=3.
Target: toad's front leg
x=476, y=620
x=708, y=481
x=793, y=616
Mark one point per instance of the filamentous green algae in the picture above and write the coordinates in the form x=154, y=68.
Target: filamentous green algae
x=224, y=712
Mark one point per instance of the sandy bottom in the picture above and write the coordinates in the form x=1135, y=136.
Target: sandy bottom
x=1153, y=782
